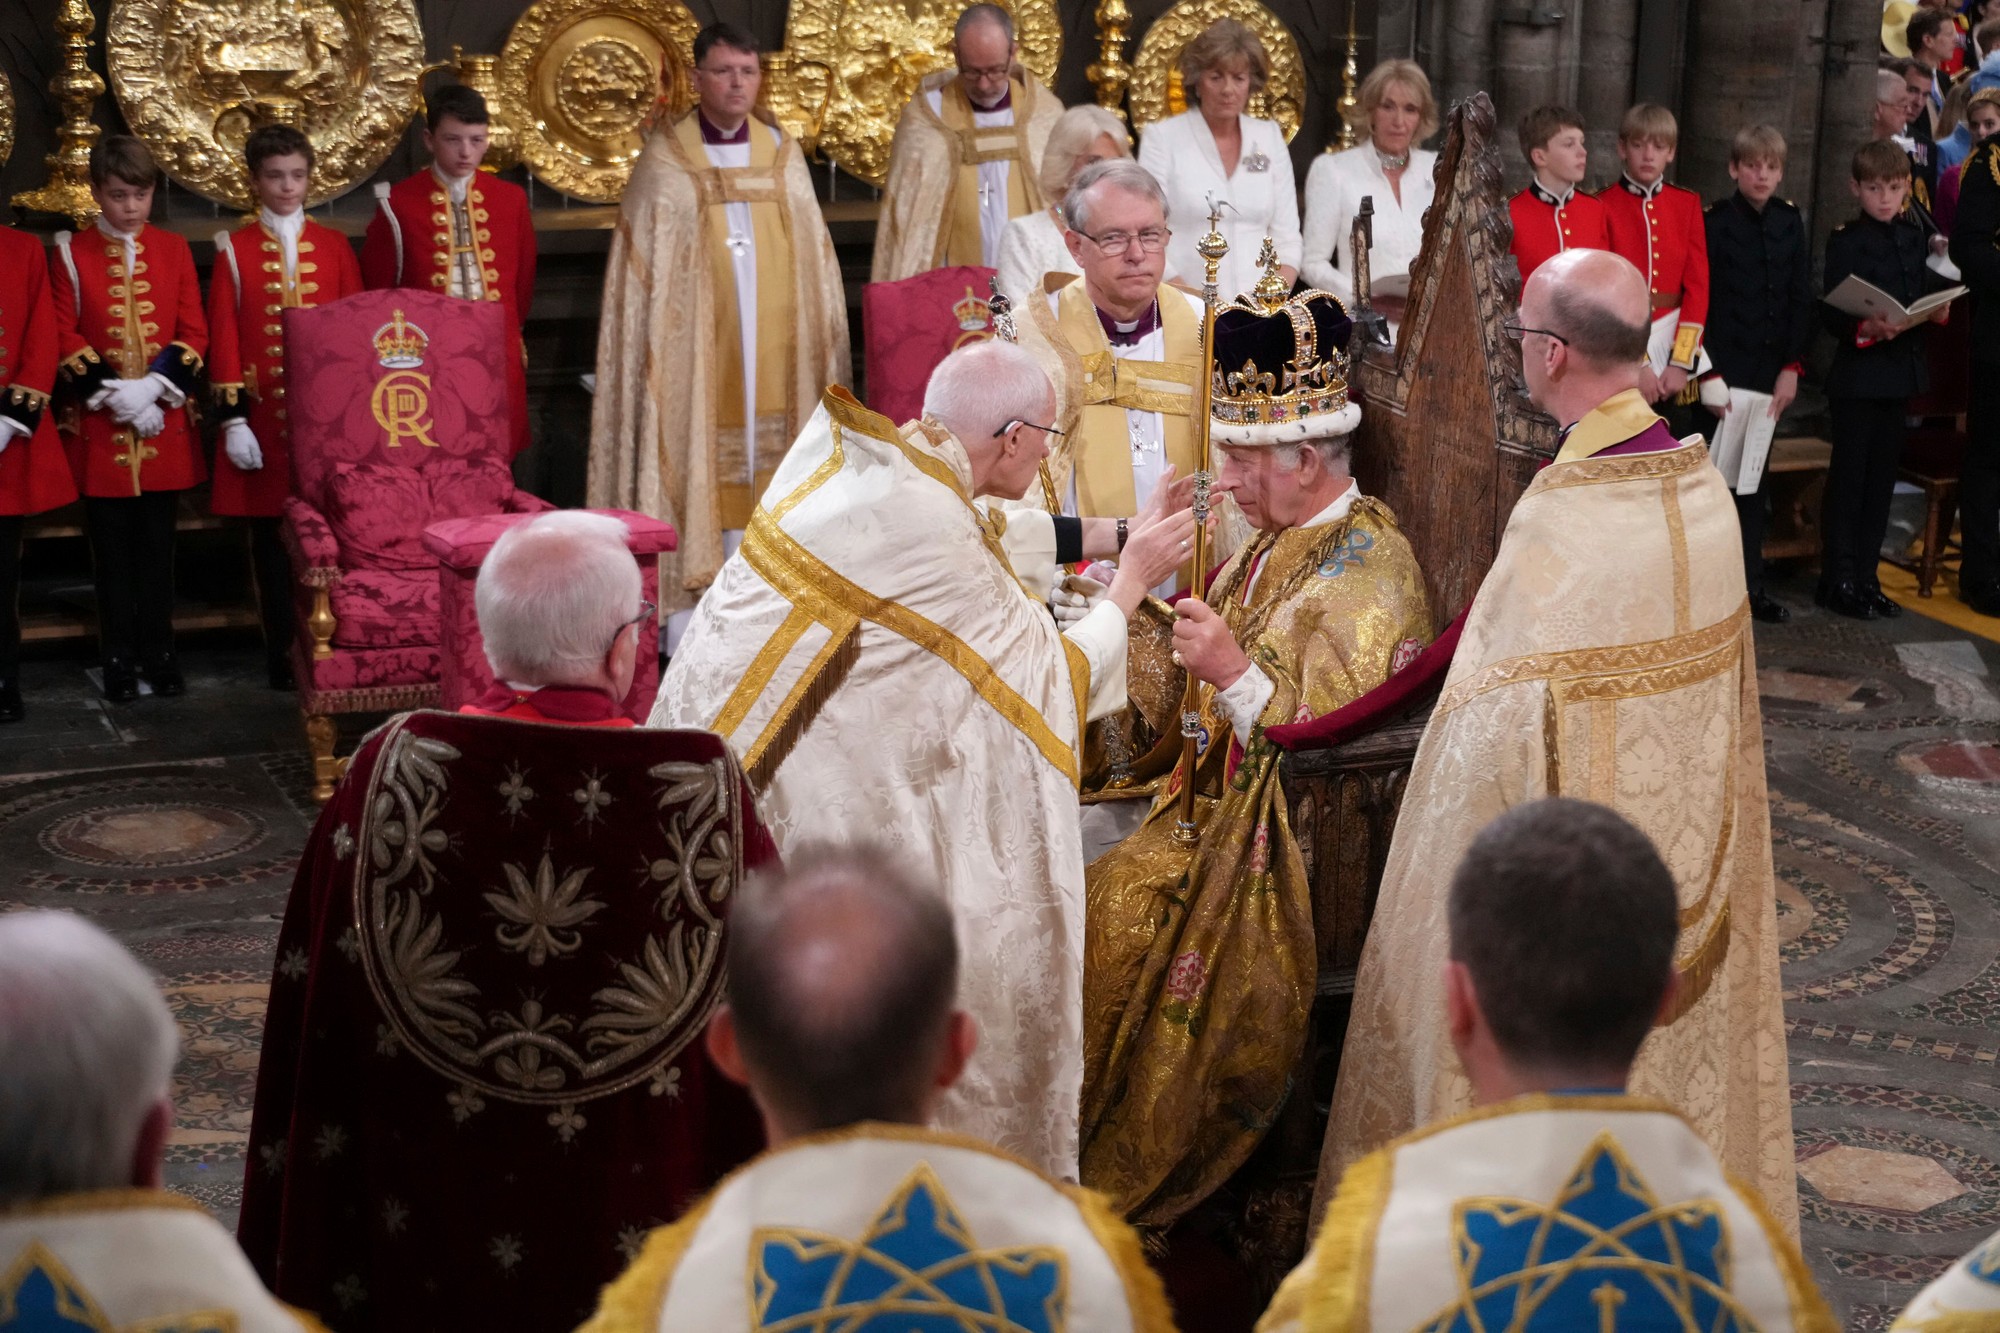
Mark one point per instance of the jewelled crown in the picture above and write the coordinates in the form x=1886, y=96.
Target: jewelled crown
x=399, y=344
x=1281, y=365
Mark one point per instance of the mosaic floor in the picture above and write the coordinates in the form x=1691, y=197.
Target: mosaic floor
x=175, y=824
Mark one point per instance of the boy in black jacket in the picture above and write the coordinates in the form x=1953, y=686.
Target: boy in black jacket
x=1975, y=247
x=1875, y=372
x=1760, y=310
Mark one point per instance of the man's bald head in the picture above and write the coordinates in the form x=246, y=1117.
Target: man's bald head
x=1597, y=301
x=842, y=977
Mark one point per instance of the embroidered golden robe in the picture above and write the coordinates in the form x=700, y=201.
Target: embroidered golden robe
x=931, y=201
x=667, y=435
x=1608, y=657
x=1199, y=966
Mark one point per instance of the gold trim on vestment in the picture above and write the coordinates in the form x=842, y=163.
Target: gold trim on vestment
x=1677, y=551
x=632, y=1302
x=790, y=704
x=1947, y=1321
x=1619, y=467
x=847, y=410
x=102, y=1201
x=1810, y=1312
x=836, y=404
x=762, y=667
x=809, y=582
x=1612, y=422
x=1344, y=1253
x=1697, y=971
x=1618, y=660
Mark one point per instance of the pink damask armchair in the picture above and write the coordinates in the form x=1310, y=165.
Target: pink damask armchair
x=399, y=415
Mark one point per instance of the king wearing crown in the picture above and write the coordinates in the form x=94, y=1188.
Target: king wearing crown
x=1199, y=960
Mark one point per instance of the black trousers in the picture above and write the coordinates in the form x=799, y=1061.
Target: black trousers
x=11, y=526
x=1979, y=483
x=1751, y=510
x=273, y=571
x=132, y=544
x=1860, y=481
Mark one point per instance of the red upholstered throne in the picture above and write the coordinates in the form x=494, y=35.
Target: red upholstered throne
x=483, y=1078
x=399, y=414
x=911, y=325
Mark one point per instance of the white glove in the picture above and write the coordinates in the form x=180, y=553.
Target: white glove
x=150, y=421
x=1074, y=598
x=240, y=443
x=128, y=398
x=170, y=392
x=9, y=428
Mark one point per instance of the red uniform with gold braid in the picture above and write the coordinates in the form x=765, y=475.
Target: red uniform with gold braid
x=1545, y=225
x=115, y=324
x=34, y=474
x=1660, y=229
x=418, y=239
x=247, y=295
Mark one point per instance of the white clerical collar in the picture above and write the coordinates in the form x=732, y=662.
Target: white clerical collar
x=1336, y=511
x=455, y=186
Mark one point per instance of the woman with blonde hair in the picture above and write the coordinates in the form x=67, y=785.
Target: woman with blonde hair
x=1032, y=245
x=1215, y=148
x=1395, y=111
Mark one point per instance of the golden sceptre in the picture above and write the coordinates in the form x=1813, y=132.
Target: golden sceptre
x=1211, y=248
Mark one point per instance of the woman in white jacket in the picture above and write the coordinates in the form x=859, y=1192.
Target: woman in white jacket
x=1032, y=245
x=1395, y=112
x=1213, y=148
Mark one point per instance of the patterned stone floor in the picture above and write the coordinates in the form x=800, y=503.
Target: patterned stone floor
x=175, y=824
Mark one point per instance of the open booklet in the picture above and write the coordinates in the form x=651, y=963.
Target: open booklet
x=1864, y=300
x=1742, y=443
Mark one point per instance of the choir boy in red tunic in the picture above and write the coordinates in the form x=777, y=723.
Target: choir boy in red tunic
x=1552, y=215
x=131, y=336
x=34, y=474
x=454, y=229
x=278, y=261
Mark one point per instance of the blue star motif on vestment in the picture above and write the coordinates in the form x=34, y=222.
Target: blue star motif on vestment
x=39, y=1296
x=918, y=1270
x=1606, y=1255
x=1985, y=1262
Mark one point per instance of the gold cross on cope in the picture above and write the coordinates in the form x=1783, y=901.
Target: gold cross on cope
x=133, y=453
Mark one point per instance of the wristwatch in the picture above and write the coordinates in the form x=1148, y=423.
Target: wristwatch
x=1123, y=533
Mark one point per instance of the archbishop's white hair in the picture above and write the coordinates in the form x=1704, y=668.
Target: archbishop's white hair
x=87, y=1046
x=552, y=594
x=978, y=389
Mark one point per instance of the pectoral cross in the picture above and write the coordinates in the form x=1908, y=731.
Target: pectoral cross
x=738, y=244
x=134, y=454
x=1607, y=1298
x=985, y=192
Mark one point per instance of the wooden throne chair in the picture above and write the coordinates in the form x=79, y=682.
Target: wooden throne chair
x=399, y=413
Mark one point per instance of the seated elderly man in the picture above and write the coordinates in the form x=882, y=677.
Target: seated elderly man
x=1561, y=1202
x=1199, y=961
x=560, y=615
x=840, y=1016
x=88, y=1238
x=874, y=655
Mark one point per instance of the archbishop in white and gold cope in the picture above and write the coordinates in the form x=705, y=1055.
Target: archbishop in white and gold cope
x=724, y=320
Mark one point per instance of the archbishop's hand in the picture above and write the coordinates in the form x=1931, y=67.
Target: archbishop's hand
x=1204, y=645
x=1152, y=553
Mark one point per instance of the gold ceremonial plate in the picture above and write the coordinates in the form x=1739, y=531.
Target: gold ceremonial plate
x=878, y=51
x=194, y=77
x=584, y=77
x=1156, y=77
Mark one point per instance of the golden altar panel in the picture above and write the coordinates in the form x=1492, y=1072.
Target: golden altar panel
x=6, y=119
x=584, y=78
x=877, y=52
x=194, y=77
x=1156, y=77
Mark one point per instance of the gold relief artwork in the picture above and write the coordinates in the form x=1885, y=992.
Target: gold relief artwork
x=6, y=119
x=194, y=77
x=1156, y=76
x=874, y=53
x=588, y=79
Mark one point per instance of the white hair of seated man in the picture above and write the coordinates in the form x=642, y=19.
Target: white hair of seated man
x=1336, y=452
x=552, y=595
x=88, y=1049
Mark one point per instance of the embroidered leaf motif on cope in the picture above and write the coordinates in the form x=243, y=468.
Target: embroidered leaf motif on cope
x=918, y=1267
x=1604, y=1254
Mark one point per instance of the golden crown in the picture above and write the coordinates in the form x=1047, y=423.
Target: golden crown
x=1281, y=369
x=973, y=314
x=399, y=344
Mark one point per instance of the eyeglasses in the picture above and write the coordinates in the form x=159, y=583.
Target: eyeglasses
x=985, y=74
x=1028, y=425
x=646, y=610
x=1517, y=332
x=1115, y=243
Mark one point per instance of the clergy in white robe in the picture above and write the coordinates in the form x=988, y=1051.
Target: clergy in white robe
x=724, y=320
x=884, y=671
x=1965, y=1297
x=967, y=155
x=1396, y=110
x=1033, y=245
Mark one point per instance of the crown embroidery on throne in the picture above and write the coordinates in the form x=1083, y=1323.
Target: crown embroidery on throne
x=1605, y=1254
x=918, y=1266
x=400, y=345
x=975, y=320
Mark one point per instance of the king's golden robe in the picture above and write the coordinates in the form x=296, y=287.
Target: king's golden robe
x=1199, y=965
x=667, y=431
x=1608, y=657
